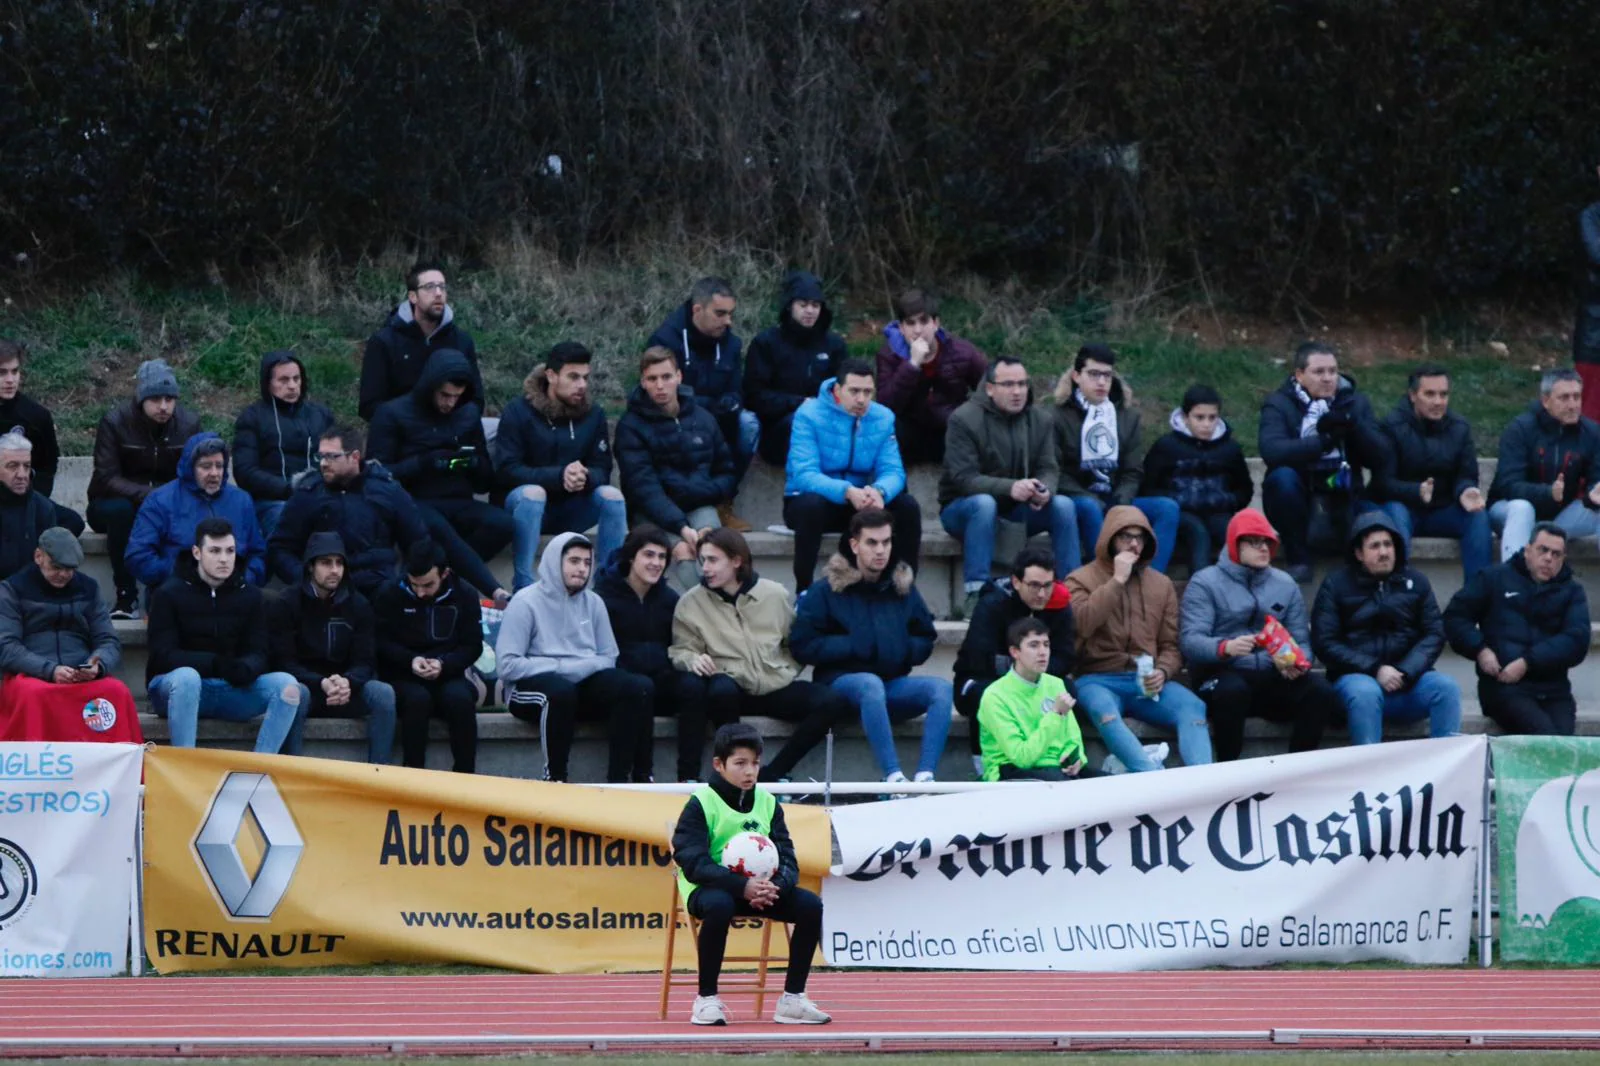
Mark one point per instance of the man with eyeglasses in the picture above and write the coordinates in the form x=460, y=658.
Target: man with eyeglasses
x=1000, y=465
x=1224, y=607
x=361, y=502
x=1099, y=452
x=422, y=325
x=1525, y=623
x=1031, y=591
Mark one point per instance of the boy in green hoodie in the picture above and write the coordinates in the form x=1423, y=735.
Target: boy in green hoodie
x=1025, y=721
x=729, y=804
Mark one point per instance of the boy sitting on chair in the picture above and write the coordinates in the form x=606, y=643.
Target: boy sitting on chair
x=1025, y=721
x=730, y=804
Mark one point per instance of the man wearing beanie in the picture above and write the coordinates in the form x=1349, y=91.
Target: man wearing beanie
x=136, y=450
x=552, y=455
x=788, y=362
x=1224, y=607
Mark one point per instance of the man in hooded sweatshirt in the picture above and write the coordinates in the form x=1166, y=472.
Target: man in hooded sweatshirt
x=1126, y=610
x=924, y=374
x=423, y=324
x=432, y=442
x=788, y=363
x=1000, y=465
x=1200, y=466
x=324, y=633
x=136, y=449
x=552, y=456
x=700, y=333
x=275, y=438
x=1097, y=437
x=164, y=530
x=1377, y=628
x=1224, y=606
x=558, y=658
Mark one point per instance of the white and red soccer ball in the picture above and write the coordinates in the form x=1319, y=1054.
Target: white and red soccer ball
x=751, y=854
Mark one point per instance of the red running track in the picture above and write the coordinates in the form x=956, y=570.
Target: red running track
x=944, y=1010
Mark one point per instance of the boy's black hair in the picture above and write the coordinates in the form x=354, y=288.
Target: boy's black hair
x=1034, y=555
x=1022, y=629
x=732, y=736
x=1195, y=395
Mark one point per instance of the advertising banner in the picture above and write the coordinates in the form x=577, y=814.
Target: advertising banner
x=68, y=816
x=1328, y=856
x=263, y=860
x=1547, y=798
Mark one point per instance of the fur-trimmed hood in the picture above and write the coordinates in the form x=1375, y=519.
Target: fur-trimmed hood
x=536, y=390
x=1121, y=394
x=841, y=573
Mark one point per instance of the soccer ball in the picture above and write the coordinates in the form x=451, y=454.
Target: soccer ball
x=751, y=854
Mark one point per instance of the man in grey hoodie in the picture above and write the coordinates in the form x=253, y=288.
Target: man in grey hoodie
x=557, y=655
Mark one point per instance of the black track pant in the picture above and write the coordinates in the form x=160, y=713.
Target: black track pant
x=1231, y=696
x=623, y=700
x=455, y=701
x=813, y=708
x=716, y=910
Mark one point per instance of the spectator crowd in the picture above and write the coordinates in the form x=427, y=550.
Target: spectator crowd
x=645, y=603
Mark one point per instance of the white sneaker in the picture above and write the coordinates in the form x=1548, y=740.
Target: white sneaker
x=708, y=1010
x=1157, y=752
x=923, y=777
x=799, y=1010
x=896, y=778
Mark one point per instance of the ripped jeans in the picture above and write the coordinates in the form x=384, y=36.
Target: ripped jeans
x=1106, y=698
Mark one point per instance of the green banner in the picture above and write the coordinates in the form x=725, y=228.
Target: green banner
x=1547, y=795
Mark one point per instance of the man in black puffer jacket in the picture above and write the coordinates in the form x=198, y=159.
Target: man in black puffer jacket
x=432, y=442
x=676, y=467
x=1526, y=624
x=788, y=363
x=1376, y=627
x=18, y=410
x=275, y=438
x=1549, y=468
x=1202, y=467
x=360, y=502
x=423, y=324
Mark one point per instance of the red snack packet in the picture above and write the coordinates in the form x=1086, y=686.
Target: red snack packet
x=1276, y=640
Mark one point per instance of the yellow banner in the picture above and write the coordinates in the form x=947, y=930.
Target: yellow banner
x=268, y=860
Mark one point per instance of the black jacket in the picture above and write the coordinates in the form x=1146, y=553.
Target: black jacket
x=1534, y=449
x=448, y=627
x=22, y=519
x=397, y=353
x=43, y=627
x=1352, y=428
x=314, y=638
x=710, y=365
x=1418, y=450
x=985, y=655
x=643, y=628
x=538, y=438
x=192, y=624
x=274, y=442
x=372, y=514
x=672, y=465
x=435, y=456
x=1205, y=477
x=24, y=413
x=1360, y=622
x=845, y=624
x=786, y=364
x=1504, y=609
x=133, y=455
x=691, y=843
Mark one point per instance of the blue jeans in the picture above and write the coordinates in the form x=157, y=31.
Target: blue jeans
x=1161, y=511
x=882, y=702
x=574, y=514
x=267, y=514
x=1514, y=521
x=374, y=702
x=973, y=518
x=1107, y=698
x=1434, y=696
x=1472, y=530
x=183, y=697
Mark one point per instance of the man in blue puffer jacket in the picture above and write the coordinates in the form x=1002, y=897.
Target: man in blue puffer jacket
x=844, y=458
x=165, y=525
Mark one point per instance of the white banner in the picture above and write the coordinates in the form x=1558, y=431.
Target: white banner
x=67, y=822
x=1327, y=856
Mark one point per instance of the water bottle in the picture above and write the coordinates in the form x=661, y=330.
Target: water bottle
x=1145, y=666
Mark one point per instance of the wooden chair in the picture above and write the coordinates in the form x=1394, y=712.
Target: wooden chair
x=743, y=984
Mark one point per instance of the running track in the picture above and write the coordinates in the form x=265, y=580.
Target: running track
x=947, y=1011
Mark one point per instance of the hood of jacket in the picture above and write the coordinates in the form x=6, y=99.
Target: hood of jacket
x=445, y=364
x=639, y=403
x=323, y=543
x=186, y=461
x=1120, y=517
x=536, y=390
x=1365, y=523
x=270, y=362
x=1249, y=523
x=842, y=572
x=680, y=324
x=405, y=318
x=802, y=285
x=896, y=340
x=1121, y=394
x=1181, y=426
x=563, y=622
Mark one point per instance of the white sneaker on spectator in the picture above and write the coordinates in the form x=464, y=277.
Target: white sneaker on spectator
x=799, y=1010
x=896, y=778
x=923, y=776
x=708, y=1010
x=1157, y=752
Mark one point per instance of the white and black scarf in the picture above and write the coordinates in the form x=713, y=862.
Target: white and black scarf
x=1099, y=448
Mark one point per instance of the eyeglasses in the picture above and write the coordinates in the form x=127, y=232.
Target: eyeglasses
x=1096, y=375
x=433, y=286
x=330, y=457
x=1038, y=586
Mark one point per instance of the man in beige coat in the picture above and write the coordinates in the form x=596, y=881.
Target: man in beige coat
x=1126, y=612
x=733, y=630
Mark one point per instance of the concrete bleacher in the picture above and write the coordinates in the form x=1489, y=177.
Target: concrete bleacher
x=510, y=747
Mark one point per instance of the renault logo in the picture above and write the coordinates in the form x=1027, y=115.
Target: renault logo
x=255, y=798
